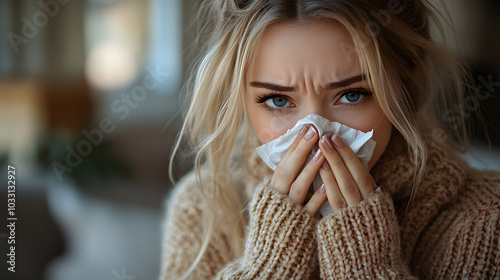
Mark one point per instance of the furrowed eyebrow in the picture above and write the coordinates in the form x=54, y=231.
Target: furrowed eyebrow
x=346, y=82
x=272, y=86
x=330, y=86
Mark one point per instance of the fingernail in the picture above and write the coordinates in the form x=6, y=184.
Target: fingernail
x=325, y=165
x=310, y=133
x=326, y=143
x=317, y=155
x=337, y=141
x=302, y=131
x=322, y=189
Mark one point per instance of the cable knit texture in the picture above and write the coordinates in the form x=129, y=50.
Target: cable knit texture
x=448, y=228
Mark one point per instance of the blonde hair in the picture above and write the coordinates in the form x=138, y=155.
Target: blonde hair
x=394, y=47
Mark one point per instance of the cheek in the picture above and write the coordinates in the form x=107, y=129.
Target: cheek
x=266, y=126
x=365, y=120
x=269, y=128
x=381, y=135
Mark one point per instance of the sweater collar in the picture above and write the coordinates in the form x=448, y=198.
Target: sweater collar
x=415, y=207
x=394, y=172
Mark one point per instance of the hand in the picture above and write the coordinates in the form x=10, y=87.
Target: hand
x=286, y=178
x=347, y=181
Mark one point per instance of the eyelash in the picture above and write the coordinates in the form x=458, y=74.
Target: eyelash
x=362, y=91
x=261, y=99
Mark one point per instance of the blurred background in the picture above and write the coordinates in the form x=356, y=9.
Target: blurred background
x=89, y=105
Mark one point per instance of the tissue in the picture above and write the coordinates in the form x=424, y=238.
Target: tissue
x=360, y=142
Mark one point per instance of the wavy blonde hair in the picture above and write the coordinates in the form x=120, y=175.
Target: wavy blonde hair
x=409, y=73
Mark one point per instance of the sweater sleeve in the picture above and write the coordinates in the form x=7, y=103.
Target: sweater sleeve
x=362, y=242
x=280, y=242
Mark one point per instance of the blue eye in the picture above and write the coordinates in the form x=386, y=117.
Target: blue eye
x=278, y=102
x=353, y=96
x=274, y=101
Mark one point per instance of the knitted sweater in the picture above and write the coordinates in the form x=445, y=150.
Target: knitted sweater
x=448, y=228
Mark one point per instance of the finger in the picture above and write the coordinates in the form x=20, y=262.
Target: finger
x=285, y=158
x=318, y=198
x=358, y=171
x=333, y=193
x=296, y=142
x=300, y=187
x=290, y=169
x=345, y=181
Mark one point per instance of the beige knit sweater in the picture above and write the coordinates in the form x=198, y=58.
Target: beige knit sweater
x=449, y=230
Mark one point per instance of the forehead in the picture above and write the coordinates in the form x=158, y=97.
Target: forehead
x=291, y=51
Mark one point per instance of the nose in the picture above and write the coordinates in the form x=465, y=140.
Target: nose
x=318, y=107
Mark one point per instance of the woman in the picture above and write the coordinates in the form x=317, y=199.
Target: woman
x=368, y=65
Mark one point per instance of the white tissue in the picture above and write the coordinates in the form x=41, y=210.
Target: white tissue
x=360, y=142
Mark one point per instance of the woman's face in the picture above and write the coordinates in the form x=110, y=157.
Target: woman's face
x=302, y=69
